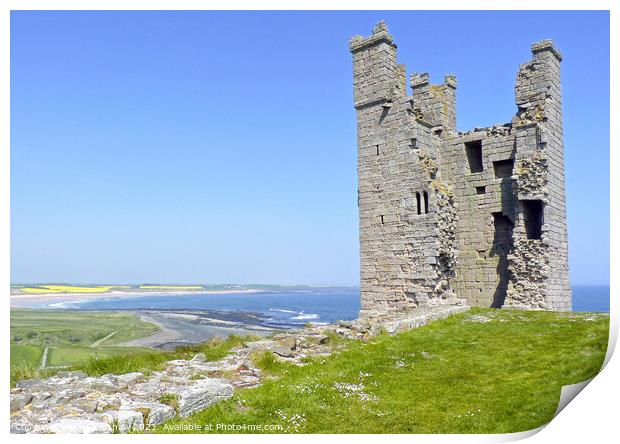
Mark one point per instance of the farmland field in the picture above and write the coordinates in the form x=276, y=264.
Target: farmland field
x=56, y=327
x=70, y=337
x=47, y=289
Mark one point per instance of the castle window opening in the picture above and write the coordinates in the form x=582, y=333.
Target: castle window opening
x=503, y=168
x=382, y=222
x=474, y=156
x=414, y=144
x=419, y=202
x=533, y=216
x=425, y=202
x=377, y=147
x=481, y=190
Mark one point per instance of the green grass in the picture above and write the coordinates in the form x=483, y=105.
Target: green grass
x=97, y=362
x=171, y=400
x=452, y=376
x=58, y=327
x=153, y=360
x=25, y=355
x=69, y=337
x=71, y=356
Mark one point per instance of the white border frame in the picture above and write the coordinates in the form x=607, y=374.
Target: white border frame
x=591, y=417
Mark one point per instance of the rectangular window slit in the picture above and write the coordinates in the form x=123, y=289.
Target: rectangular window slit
x=377, y=146
x=382, y=219
x=481, y=190
x=503, y=168
x=533, y=217
x=474, y=156
x=414, y=144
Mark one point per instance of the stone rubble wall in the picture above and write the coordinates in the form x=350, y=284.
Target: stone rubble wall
x=72, y=402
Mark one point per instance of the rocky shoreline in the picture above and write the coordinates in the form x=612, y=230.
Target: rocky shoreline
x=72, y=402
x=178, y=327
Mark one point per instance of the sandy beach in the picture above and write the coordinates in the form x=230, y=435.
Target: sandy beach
x=28, y=301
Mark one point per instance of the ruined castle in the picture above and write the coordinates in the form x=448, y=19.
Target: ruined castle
x=449, y=217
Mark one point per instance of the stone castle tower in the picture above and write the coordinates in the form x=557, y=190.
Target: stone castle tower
x=448, y=217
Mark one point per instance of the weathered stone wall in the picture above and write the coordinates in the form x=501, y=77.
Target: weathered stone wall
x=403, y=262
x=435, y=104
x=486, y=213
x=443, y=214
x=539, y=277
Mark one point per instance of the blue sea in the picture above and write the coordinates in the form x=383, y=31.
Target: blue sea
x=275, y=309
x=591, y=298
x=286, y=309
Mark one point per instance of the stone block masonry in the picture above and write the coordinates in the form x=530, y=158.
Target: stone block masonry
x=449, y=217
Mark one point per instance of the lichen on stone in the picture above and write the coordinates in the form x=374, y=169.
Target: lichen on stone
x=531, y=115
x=442, y=188
x=428, y=165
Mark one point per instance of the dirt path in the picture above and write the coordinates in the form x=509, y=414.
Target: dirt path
x=96, y=343
x=43, y=362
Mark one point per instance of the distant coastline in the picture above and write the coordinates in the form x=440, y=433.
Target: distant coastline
x=191, y=316
x=26, y=300
x=585, y=297
x=71, y=293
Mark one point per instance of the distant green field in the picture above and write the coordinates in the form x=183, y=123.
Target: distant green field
x=55, y=327
x=71, y=337
x=25, y=355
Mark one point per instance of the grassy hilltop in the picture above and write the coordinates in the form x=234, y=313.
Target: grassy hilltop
x=483, y=371
x=486, y=371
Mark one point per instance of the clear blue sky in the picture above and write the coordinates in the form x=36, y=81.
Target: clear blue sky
x=220, y=147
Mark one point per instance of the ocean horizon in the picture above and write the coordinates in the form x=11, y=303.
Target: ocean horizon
x=283, y=309
x=591, y=298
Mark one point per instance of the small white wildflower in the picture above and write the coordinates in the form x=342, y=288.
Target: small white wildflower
x=349, y=390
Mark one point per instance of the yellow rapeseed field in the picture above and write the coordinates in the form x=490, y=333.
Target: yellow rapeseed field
x=46, y=289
